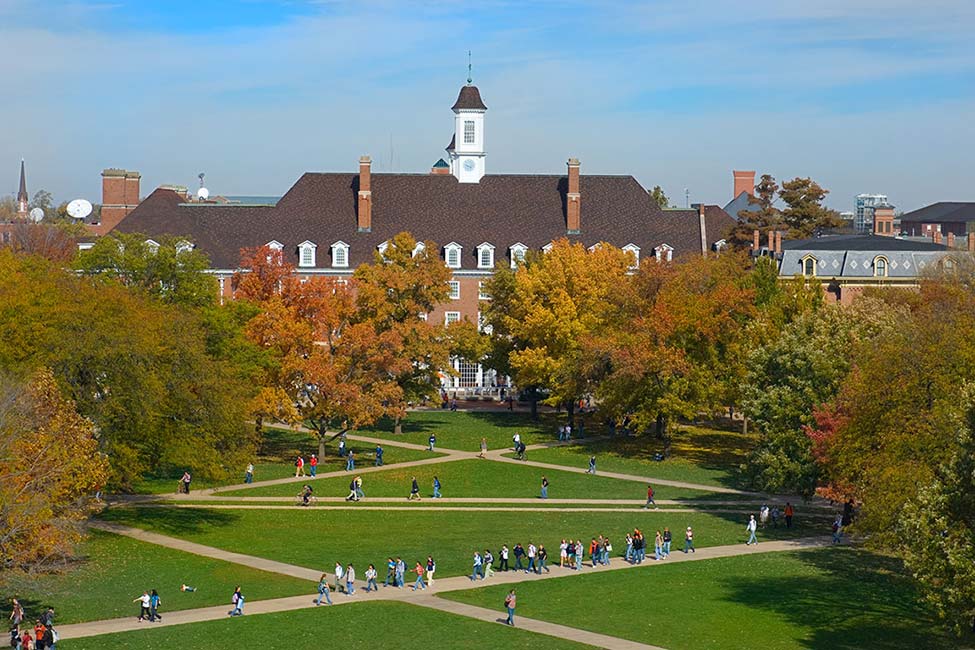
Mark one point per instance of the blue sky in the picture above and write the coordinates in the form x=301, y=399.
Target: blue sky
x=864, y=96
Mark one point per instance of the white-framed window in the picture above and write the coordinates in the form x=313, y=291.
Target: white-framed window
x=85, y=245
x=633, y=250
x=595, y=247
x=485, y=256
x=454, y=289
x=547, y=247
x=153, y=246
x=423, y=316
x=419, y=248
x=275, y=244
x=452, y=252
x=340, y=255
x=809, y=266
x=517, y=254
x=482, y=293
x=306, y=253
x=451, y=317
x=382, y=248
x=183, y=246
x=483, y=326
x=664, y=253
x=468, y=131
x=880, y=264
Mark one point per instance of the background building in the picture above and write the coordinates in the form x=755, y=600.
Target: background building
x=863, y=210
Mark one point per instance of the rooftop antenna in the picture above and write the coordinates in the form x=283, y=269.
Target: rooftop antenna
x=203, y=193
x=469, y=77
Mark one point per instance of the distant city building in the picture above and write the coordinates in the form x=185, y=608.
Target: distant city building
x=863, y=210
x=946, y=217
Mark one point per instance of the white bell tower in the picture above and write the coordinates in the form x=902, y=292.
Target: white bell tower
x=467, y=148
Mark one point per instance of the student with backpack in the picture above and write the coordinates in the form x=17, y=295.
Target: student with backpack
x=509, y=605
x=323, y=590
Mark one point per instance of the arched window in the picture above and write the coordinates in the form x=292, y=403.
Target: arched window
x=809, y=266
x=340, y=255
x=634, y=250
x=517, y=254
x=452, y=255
x=306, y=254
x=880, y=267
x=485, y=256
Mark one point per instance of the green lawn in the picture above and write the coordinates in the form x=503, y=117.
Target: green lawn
x=481, y=478
x=113, y=570
x=829, y=599
x=698, y=455
x=464, y=430
x=393, y=625
x=318, y=538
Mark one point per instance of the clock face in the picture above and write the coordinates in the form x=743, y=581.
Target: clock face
x=469, y=165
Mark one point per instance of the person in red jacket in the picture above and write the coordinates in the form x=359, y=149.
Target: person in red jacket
x=650, y=501
x=313, y=464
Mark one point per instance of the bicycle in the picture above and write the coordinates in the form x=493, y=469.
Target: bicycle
x=300, y=500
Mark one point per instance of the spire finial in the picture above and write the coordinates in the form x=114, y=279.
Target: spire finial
x=469, y=77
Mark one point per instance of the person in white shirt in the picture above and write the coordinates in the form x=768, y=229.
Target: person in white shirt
x=339, y=572
x=532, y=552
x=751, y=528
x=143, y=601
x=350, y=580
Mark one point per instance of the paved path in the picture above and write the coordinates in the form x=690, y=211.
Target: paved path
x=532, y=625
x=433, y=508
x=440, y=586
x=499, y=501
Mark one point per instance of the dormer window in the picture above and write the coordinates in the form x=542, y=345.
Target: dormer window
x=275, y=245
x=419, y=248
x=153, y=246
x=808, y=266
x=547, y=247
x=594, y=247
x=633, y=250
x=880, y=265
x=517, y=254
x=306, y=254
x=452, y=253
x=340, y=255
x=183, y=246
x=485, y=256
x=664, y=253
x=382, y=248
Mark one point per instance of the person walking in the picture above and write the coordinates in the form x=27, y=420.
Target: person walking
x=400, y=572
x=339, y=572
x=379, y=456
x=431, y=569
x=542, y=556
x=371, y=579
x=350, y=462
x=234, y=599
x=154, y=603
x=837, y=529
x=436, y=487
x=592, y=465
x=419, y=584
x=532, y=551
x=390, y=572
x=483, y=448
x=352, y=493
x=313, y=466
x=650, y=501
x=358, y=488
x=143, y=601
x=789, y=512
x=323, y=591
x=414, y=490
x=668, y=538
x=342, y=446
x=488, y=564
x=658, y=544
x=579, y=550
x=432, y=440
x=503, y=565
x=16, y=613
x=249, y=473
x=509, y=604
x=299, y=466
x=544, y=488
x=350, y=580
x=187, y=479
x=751, y=527
x=689, y=540
x=478, y=561
x=763, y=515
x=519, y=553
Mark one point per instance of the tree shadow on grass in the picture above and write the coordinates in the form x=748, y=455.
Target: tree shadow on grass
x=857, y=600
x=172, y=521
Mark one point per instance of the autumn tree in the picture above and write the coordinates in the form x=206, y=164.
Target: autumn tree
x=804, y=213
x=50, y=468
x=547, y=306
x=761, y=214
x=394, y=294
x=673, y=349
x=657, y=194
x=169, y=269
x=52, y=242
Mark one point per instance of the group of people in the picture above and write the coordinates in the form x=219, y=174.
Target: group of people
x=149, y=603
x=43, y=636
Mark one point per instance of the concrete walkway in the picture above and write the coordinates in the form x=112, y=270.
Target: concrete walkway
x=442, y=585
x=497, y=501
x=415, y=508
x=532, y=625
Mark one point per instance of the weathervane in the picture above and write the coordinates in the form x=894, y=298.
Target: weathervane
x=469, y=78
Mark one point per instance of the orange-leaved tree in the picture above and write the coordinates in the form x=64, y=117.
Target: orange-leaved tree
x=50, y=468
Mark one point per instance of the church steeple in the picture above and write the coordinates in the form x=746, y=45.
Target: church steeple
x=22, y=198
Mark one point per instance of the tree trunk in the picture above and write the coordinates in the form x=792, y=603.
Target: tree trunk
x=258, y=424
x=744, y=425
x=322, y=439
x=398, y=426
x=661, y=425
x=534, y=403
x=570, y=411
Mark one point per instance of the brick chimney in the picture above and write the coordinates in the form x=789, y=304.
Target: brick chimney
x=573, y=200
x=703, y=229
x=120, y=196
x=951, y=240
x=778, y=242
x=364, y=218
x=971, y=242
x=756, y=236
x=744, y=182
x=936, y=237
x=883, y=220
x=771, y=241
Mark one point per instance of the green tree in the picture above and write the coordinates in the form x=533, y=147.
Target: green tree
x=657, y=194
x=170, y=269
x=804, y=213
x=761, y=215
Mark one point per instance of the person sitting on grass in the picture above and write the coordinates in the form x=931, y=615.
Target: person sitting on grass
x=186, y=588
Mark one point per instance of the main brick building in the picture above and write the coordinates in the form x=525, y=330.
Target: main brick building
x=329, y=223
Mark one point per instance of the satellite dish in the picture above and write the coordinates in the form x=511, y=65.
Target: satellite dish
x=36, y=215
x=79, y=208
x=203, y=194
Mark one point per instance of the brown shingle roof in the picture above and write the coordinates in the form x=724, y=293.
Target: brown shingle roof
x=469, y=98
x=502, y=209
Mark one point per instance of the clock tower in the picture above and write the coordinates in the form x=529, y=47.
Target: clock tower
x=467, y=146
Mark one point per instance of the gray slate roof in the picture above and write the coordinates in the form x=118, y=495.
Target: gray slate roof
x=943, y=211
x=854, y=256
x=738, y=204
